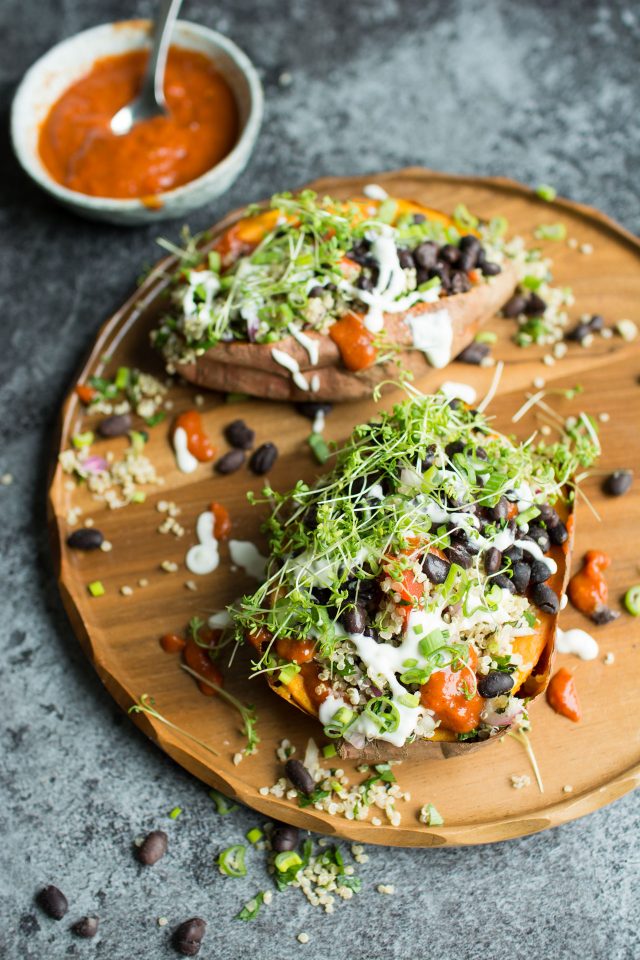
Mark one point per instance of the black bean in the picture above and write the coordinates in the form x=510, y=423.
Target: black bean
x=299, y=776
x=449, y=253
x=360, y=251
x=501, y=509
x=578, y=333
x=468, y=260
x=461, y=538
x=187, y=939
x=495, y=684
x=503, y=581
x=545, y=598
x=284, y=838
x=604, y=615
x=514, y=553
x=263, y=458
x=492, y=560
x=548, y=514
x=596, y=322
x=430, y=457
x=474, y=353
x=435, y=568
x=419, y=218
x=239, y=435
x=316, y=291
x=535, y=305
x=362, y=590
x=230, y=462
x=618, y=483
x=520, y=576
x=490, y=269
x=365, y=282
x=443, y=271
x=153, y=847
x=539, y=535
x=86, y=538
x=115, y=426
x=456, y=553
x=426, y=255
x=53, y=902
x=558, y=533
x=354, y=620
x=86, y=927
x=310, y=410
x=515, y=306
x=460, y=282
x=470, y=242
x=405, y=259
x=481, y=453
x=456, y=446
x=539, y=571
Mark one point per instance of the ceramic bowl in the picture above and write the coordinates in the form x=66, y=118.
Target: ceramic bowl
x=72, y=59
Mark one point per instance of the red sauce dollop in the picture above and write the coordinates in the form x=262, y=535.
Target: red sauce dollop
x=200, y=662
x=79, y=150
x=588, y=589
x=562, y=695
x=297, y=651
x=198, y=442
x=446, y=691
x=354, y=342
x=221, y=521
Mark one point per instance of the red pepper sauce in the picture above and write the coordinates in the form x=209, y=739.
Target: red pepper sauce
x=588, y=589
x=198, y=442
x=354, y=342
x=562, y=695
x=221, y=521
x=446, y=692
x=198, y=659
x=79, y=150
x=172, y=643
x=317, y=690
x=296, y=651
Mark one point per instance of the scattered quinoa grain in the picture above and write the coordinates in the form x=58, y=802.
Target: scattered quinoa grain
x=386, y=888
x=606, y=333
x=303, y=937
x=264, y=791
x=191, y=585
x=567, y=788
x=6, y=479
x=162, y=921
x=126, y=591
x=539, y=383
x=572, y=243
x=168, y=566
x=609, y=658
x=627, y=330
x=237, y=758
x=143, y=582
x=106, y=546
x=285, y=80
x=548, y=359
x=520, y=780
x=604, y=417
x=586, y=248
x=545, y=430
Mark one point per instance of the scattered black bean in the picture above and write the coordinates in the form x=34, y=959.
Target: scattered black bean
x=284, y=838
x=539, y=571
x=495, y=684
x=514, y=553
x=539, y=535
x=492, y=560
x=299, y=776
x=430, y=457
x=354, y=620
x=239, y=435
x=596, y=322
x=520, y=576
x=115, y=426
x=515, y=306
x=187, y=939
x=604, y=615
x=435, y=568
x=310, y=410
x=153, y=847
x=545, y=598
x=618, y=483
x=53, y=902
x=578, y=333
x=456, y=553
x=230, y=462
x=86, y=927
x=263, y=458
x=490, y=269
x=501, y=509
x=86, y=538
x=505, y=582
x=535, y=305
x=425, y=255
x=558, y=533
x=474, y=353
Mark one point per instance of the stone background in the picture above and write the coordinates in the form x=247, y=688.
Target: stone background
x=544, y=91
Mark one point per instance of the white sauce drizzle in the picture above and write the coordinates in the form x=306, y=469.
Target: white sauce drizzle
x=204, y=558
x=461, y=391
x=220, y=620
x=318, y=422
x=433, y=334
x=246, y=555
x=310, y=345
x=315, y=383
x=185, y=460
x=578, y=642
x=374, y=191
x=291, y=364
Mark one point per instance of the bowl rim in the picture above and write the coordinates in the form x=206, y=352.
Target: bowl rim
x=38, y=173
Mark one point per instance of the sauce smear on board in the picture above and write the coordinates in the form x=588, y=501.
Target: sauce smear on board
x=79, y=150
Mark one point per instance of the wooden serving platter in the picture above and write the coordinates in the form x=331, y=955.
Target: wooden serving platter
x=598, y=759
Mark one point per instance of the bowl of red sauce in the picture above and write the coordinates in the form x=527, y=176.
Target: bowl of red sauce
x=164, y=167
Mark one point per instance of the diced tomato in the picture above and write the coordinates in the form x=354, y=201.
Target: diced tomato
x=86, y=393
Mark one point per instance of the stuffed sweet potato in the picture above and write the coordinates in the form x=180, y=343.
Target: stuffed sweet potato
x=412, y=593
x=324, y=299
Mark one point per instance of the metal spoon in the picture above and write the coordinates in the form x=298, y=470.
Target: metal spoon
x=150, y=101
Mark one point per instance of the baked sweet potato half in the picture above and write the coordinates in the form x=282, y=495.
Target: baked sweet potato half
x=412, y=593
x=323, y=299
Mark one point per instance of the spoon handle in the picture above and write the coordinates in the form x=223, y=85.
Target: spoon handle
x=153, y=82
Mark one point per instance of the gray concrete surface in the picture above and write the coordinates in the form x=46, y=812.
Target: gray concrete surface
x=539, y=91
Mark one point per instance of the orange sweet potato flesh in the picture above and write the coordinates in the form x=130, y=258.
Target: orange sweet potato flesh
x=244, y=367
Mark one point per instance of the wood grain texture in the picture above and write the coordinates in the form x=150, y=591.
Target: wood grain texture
x=599, y=759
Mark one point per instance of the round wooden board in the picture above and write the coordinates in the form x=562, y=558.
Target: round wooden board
x=599, y=758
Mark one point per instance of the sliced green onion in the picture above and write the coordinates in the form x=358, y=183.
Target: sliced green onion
x=96, y=588
x=498, y=226
x=409, y=700
x=329, y=750
x=550, y=231
x=214, y=261
x=254, y=835
x=387, y=211
x=231, y=861
x=545, y=192
x=320, y=447
x=122, y=378
x=463, y=219
x=527, y=515
x=81, y=440
x=222, y=803
x=251, y=909
x=431, y=816
x=433, y=641
x=632, y=600
x=384, y=713
x=288, y=672
x=531, y=283
x=486, y=336
x=138, y=497
x=339, y=722
x=286, y=860
x=175, y=813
